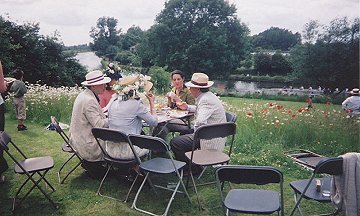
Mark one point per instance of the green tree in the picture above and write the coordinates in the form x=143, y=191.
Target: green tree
x=262, y=63
x=198, y=35
x=276, y=39
x=40, y=57
x=333, y=60
x=279, y=65
x=105, y=34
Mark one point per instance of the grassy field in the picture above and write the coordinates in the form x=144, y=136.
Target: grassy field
x=265, y=129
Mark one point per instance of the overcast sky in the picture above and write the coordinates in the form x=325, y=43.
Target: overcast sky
x=73, y=19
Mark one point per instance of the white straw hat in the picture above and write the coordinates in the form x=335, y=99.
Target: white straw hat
x=95, y=77
x=199, y=80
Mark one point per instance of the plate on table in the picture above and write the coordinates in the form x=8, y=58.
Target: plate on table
x=178, y=113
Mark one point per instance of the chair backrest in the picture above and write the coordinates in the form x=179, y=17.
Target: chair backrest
x=58, y=129
x=230, y=117
x=110, y=135
x=212, y=131
x=5, y=139
x=259, y=175
x=331, y=166
x=154, y=144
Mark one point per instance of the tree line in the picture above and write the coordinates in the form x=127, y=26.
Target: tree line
x=201, y=35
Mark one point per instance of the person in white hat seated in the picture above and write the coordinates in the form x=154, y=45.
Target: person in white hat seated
x=127, y=112
x=352, y=103
x=208, y=110
x=87, y=114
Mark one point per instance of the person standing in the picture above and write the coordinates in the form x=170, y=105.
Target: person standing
x=3, y=164
x=19, y=89
x=87, y=114
x=352, y=103
x=208, y=110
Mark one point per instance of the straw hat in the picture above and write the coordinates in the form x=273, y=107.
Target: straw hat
x=355, y=91
x=147, y=86
x=199, y=80
x=95, y=77
x=129, y=80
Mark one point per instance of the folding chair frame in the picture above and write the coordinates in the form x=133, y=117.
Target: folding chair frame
x=208, y=132
x=330, y=166
x=116, y=137
x=4, y=141
x=66, y=147
x=159, y=146
x=259, y=175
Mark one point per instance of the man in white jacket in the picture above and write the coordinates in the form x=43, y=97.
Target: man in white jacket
x=208, y=110
x=87, y=114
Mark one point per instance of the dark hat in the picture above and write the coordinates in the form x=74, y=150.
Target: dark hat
x=113, y=74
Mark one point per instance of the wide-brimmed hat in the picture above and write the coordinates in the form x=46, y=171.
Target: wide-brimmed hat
x=129, y=80
x=199, y=80
x=95, y=77
x=355, y=91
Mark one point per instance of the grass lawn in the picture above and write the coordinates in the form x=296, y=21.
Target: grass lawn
x=265, y=130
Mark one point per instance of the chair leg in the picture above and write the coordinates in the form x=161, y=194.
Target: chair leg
x=36, y=184
x=183, y=185
x=137, y=195
x=196, y=192
x=131, y=187
x=102, y=182
x=72, y=170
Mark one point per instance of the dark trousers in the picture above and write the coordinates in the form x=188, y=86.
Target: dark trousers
x=182, y=144
x=3, y=164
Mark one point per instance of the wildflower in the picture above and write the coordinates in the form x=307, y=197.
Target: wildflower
x=328, y=103
x=271, y=104
x=293, y=116
x=300, y=110
x=249, y=114
x=289, y=111
x=279, y=106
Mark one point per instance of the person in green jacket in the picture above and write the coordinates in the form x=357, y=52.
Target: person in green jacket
x=18, y=88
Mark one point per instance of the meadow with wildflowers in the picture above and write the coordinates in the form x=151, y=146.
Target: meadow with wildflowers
x=265, y=129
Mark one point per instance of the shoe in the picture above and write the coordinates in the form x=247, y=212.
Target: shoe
x=22, y=128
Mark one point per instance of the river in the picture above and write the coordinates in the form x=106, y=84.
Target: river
x=89, y=60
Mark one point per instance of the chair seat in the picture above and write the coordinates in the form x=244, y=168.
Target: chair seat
x=252, y=201
x=311, y=193
x=66, y=148
x=119, y=161
x=35, y=164
x=161, y=165
x=207, y=157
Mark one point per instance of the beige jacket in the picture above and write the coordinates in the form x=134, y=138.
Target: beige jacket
x=86, y=115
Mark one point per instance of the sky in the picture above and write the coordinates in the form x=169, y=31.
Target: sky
x=73, y=19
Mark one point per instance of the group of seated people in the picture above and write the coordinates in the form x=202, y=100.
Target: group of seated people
x=126, y=113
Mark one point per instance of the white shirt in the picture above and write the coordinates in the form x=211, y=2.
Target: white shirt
x=352, y=103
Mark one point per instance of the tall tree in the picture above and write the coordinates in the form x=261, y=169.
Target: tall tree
x=333, y=60
x=198, y=35
x=40, y=57
x=105, y=34
x=276, y=39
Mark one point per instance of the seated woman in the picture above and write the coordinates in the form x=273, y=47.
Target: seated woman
x=107, y=95
x=127, y=112
x=178, y=94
